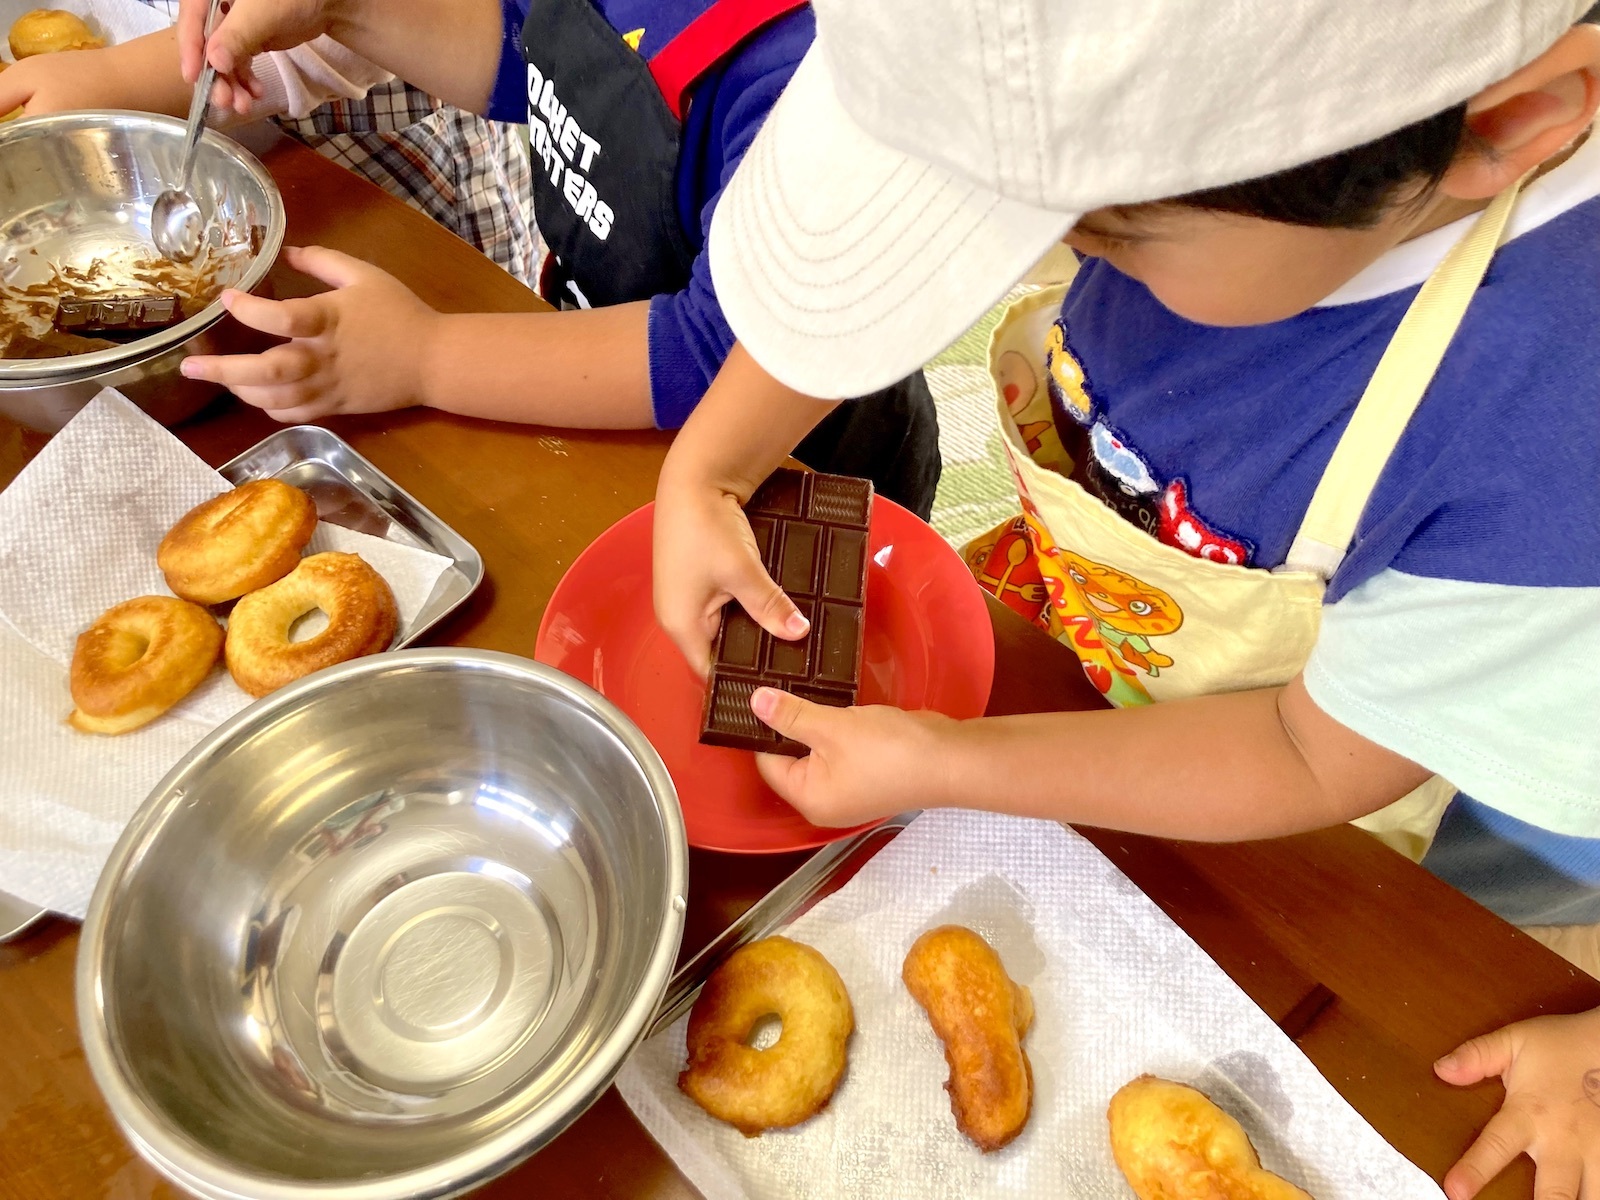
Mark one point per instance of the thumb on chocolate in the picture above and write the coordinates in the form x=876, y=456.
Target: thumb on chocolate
x=769, y=605
x=789, y=715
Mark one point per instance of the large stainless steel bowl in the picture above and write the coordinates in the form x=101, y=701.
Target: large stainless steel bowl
x=385, y=933
x=76, y=188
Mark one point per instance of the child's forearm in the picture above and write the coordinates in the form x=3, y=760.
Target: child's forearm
x=746, y=426
x=585, y=369
x=145, y=71
x=140, y=74
x=1218, y=768
x=448, y=48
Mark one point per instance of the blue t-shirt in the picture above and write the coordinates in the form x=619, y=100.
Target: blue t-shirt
x=1462, y=630
x=689, y=337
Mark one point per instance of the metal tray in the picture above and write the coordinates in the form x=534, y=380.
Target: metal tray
x=351, y=492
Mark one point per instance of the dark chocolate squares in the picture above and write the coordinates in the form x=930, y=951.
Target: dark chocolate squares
x=812, y=531
x=116, y=314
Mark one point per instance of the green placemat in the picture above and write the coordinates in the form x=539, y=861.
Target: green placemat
x=975, y=492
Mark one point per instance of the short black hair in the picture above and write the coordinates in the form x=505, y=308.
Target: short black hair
x=1353, y=188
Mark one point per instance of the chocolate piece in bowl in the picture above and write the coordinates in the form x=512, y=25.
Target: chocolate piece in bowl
x=813, y=534
x=116, y=314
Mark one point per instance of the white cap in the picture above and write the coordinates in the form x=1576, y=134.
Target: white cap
x=928, y=152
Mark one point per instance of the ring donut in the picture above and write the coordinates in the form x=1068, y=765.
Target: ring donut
x=362, y=619
x=793, y=1079
x=237, y=542
x=138, y=660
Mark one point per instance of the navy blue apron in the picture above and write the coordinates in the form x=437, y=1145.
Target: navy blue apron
x=606, y=128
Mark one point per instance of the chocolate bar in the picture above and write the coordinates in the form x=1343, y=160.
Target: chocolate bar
x=813, y=534
x=116, y=314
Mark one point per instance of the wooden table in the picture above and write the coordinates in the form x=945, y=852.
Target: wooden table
x=1370, y=964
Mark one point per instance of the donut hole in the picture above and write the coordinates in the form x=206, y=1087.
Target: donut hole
x=125, y=648
x=307, y=625
x=765, y=1032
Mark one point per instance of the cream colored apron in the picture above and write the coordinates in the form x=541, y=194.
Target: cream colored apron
x=1152, y=622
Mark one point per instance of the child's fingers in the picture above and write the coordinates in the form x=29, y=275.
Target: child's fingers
x=191, y=38
x=275, y=403
x=768, y=604
x=330, y=266
x=785, y=775
x=1559, y=1178
x=791, y=716
x=1503, y=1138
x=14, y=93
x=279, y=367
x=1489, y=1054
x=303, y=318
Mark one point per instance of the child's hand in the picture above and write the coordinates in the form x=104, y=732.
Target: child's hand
x=246, y=28
x=358, y=349
x=705, y=555
x=1551, y=1070
x=48, y=83
x=865, y=763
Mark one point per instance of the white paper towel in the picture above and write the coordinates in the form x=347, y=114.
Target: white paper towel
x=79, y=529
x=1119, y=991
x=114, y=21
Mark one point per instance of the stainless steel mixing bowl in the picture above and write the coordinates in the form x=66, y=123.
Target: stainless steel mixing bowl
x=385, y=933
x=76, y=188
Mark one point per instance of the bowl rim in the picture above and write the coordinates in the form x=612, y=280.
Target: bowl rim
x=203, y=1172
x=75, y=367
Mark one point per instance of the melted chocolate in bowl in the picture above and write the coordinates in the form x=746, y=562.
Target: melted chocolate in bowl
x=76, y=191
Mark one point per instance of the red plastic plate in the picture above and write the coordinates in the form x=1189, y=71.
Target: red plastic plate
x=929, y=645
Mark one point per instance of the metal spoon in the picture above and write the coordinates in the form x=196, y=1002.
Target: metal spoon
x=176, y=226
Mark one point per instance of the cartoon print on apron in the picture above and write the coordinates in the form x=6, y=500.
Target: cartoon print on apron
x=605, y=129
x=1150, y=621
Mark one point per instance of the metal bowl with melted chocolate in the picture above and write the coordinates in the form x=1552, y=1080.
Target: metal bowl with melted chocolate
x=86, y=302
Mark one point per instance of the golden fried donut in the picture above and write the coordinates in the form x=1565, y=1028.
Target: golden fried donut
x=47, y=30
x=138, y=660
x=362, y=619
x=237, y=542
x=793, y=1079
x=980, y=1015
x=1173, y=1143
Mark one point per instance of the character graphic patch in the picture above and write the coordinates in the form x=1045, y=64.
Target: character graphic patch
x=1184, y=528
x=1029, y=407
x=1110, y=618
x=1113, y=470
x=1006, y=566
x=1069, y=388
x=1121, y=461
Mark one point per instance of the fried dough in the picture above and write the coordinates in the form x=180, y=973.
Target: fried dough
x=1173, y=1143
x=981, y=1016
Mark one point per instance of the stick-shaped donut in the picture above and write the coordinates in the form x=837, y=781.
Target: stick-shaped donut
x=980, y=1015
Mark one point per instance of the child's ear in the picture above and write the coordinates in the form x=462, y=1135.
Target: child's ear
x=1529, y=116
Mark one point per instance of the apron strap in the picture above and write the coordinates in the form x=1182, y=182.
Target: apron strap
x=707, y=40
x=1394, y=392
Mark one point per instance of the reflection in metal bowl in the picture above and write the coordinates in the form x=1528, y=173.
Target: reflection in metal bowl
x=384, y=933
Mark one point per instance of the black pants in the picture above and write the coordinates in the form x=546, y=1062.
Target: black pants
x=890, y=437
